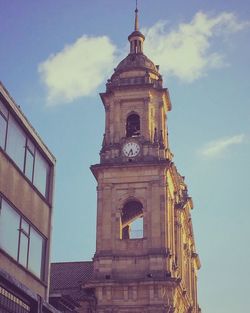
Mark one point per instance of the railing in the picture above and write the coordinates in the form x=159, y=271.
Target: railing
x=10, y=303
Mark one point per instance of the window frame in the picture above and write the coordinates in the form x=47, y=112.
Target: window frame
x=22, y=232
x=22, y=169
x=16, y=139
x=33, y=154
x=6, y=118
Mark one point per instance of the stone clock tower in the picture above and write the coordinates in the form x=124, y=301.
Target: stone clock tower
x=145, y=258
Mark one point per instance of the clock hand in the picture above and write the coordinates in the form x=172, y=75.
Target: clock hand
x=130, y=152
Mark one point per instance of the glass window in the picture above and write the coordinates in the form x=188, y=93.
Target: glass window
x=16, y=140
x=29, y=162
x=41, y=174
x=3, y=109
x=30, y=146
x=23, y=249
x=36, y=252
x=23, y=151
x=25, y=227
x=3, y=127
x=9, y=229
x=21, y=241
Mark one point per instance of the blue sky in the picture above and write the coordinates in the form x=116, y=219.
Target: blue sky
x=55, y=57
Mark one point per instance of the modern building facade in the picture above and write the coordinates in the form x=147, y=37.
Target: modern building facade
x=26, y=197
x=145, y=259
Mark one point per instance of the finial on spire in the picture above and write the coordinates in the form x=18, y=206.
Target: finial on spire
x=136, y=38
x=136, y=18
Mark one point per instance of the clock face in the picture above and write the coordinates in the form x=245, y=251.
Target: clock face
x=131, y=149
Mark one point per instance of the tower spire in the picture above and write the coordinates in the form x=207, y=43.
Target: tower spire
x=136, y=18
x=136, y=38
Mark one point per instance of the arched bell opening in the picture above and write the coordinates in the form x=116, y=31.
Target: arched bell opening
x=133, y=125
x=132, y=220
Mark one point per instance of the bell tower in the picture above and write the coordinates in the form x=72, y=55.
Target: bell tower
x=145, y=258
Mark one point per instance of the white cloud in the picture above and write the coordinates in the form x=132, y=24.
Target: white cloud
x=216, y=148
x=186, y=52
x=78, y=69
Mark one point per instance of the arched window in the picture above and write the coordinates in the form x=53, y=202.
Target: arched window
x=133, y=125
x=132, y=220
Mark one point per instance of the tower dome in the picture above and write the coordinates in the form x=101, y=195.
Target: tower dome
x=136, y=61
x=136, y=68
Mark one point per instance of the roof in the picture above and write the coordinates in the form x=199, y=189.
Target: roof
x=136, y=33
x=69, y=275
x=134, y=61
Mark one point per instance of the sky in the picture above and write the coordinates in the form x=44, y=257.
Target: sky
x=55, y=58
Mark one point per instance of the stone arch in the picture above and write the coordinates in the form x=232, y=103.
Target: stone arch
x=132, y=219
x=133, y=125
